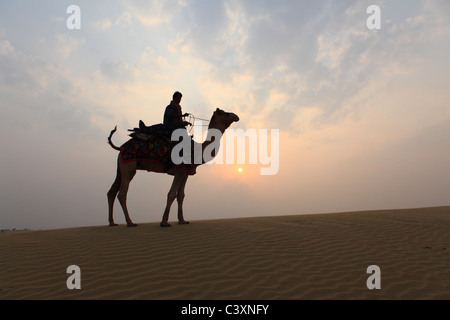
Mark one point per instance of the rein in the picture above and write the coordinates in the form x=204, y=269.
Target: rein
x=192, y=119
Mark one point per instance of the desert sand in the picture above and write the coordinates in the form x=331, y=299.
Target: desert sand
x=320, y=256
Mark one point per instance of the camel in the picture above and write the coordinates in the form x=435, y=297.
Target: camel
x=220, y=120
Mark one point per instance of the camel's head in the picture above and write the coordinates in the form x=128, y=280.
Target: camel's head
x=222, y=120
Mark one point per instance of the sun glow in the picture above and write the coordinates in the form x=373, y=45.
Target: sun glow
x=240, y=170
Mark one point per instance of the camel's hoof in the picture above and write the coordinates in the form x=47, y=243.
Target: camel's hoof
x=130, y=225
x=183, y=222
x=112, y=224
x=165, y=225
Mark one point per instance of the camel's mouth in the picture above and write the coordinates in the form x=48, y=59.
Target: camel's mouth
x=235, y=117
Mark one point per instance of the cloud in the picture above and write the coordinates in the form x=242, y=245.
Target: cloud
x=327, y=67
x=319, y=56
x=124, y=19
x=5, y=48
x=104, y=24
x=117, y=71
x=67, y=44
x=154, y=12
x=38, y=93
x=14, y=74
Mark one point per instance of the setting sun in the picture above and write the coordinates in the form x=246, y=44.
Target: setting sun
x=240, y=170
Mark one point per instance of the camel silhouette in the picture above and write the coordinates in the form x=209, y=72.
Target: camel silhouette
x=126, y=170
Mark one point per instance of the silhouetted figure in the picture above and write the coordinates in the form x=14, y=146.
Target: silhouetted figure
x=173, y=114
x=172, y=119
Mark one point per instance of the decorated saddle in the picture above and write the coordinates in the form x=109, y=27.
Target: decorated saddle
x=153, y=145
x=159, y=129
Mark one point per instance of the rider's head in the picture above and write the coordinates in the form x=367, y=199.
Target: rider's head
x=177, y=97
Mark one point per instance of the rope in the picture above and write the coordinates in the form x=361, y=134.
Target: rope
x=192, y=119
x=203, y=119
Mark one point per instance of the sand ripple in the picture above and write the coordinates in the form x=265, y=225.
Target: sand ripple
x=289, y=257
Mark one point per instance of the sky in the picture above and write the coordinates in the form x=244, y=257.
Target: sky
x=363, y=114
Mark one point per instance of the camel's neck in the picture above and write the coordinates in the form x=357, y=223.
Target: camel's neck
x=211, y=145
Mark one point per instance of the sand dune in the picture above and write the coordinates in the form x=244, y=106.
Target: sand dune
x=290, y=257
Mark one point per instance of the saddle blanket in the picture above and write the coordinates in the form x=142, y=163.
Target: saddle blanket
x=157, y=149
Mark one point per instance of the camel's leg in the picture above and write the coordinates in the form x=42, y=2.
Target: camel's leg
x=177, y=180
x=180, y=198
x=112, y=193
x=126, y=177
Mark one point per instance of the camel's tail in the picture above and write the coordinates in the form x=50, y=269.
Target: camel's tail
x=109, y=139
